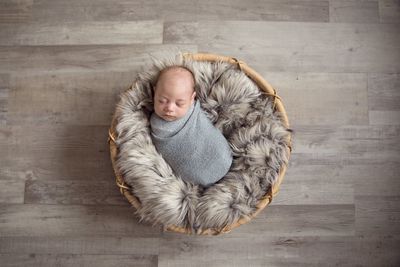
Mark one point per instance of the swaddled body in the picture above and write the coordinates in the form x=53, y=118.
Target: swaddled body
x=181, y=132
x=192, y=146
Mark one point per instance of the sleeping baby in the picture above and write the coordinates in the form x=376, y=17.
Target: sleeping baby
x=181, y=132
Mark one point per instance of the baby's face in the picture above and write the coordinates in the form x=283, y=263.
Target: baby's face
x=174, y=94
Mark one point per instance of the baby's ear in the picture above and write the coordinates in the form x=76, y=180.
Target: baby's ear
x=193, y=95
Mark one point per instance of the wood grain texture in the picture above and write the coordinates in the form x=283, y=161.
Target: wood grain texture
x=71, y=220
x=374, y=179
x=317, y=184
x=389, y=11
x=349, y=144
x=335, y=64
x=115, y=245
x=280, y=251
x=60, y=152
x=300, y=220
x=82, y=33
x=16, y=11
x=4, y=97
x=63, y=99
x=377, y=215
x=322, y=99
x=12, y=191
x=51, y=260
x=287, y=46
x=181, y=10
x=74, y=192
x=384, y=92
x=384, y=117
x=62, y=165
x=357, y=11
x=30, y=60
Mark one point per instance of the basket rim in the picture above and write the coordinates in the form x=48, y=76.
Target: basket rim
x=271, y=193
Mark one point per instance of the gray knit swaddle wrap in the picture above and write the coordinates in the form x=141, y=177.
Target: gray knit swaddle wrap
x=192, y=146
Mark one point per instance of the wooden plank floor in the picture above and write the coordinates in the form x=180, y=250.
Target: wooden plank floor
x=335, y=63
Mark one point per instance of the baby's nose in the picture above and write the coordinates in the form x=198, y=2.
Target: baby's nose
x=169, y=107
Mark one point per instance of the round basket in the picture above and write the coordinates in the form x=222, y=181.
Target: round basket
x=271, y=193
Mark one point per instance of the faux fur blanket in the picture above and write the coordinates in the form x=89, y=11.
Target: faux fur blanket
x=244, y=115
x=192, y=146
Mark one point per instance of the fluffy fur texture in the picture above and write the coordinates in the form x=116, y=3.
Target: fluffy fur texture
x=240, y=111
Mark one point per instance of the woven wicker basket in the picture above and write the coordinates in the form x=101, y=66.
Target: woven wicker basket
x=263, y=85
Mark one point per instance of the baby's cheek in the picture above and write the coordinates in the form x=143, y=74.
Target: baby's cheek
x=183, y=111
x=157, y=110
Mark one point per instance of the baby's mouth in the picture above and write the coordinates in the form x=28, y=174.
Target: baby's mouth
x=168, y=117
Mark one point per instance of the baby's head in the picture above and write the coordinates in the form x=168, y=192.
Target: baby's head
x=174, y=93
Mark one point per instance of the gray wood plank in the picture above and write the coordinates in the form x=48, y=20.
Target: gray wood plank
x=346, y=145
x=74, y=192
x=279, y=251
x=60, y=152
x=82, y=33
x=316, y=184
x=374, y=179
x=13, y=168
x=31, y=60
x=384, y=92
x=384, y=117
x=269, y=10
x=59, y=166
x=51, y=260
x=389, y=11
x=180, y=10
x=345, y=139
x=15, y=11
x=5, y=133
x=4, y=96
x=313, y=98
x=67, y=98
x=377, y=215
x=358, y=11
x=390, y=259
x=72, y=221
x=85, y=139
x=116, y=245
x=389, y=157
x=300, y=220
x=11, y=191
x=384, y=97
x=304, y=47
